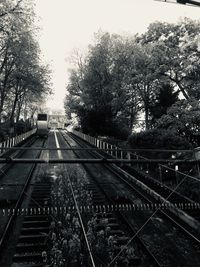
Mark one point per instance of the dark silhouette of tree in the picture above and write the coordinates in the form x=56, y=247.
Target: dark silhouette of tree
x=164, y=99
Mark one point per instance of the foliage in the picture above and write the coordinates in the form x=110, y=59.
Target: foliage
x=23, y=78
x=164, y=99
x=183, y=119
x=65, y=241
x=122, y=77
x=175, y=53
x=158, y=139
x=98, y=91
x=9, y=7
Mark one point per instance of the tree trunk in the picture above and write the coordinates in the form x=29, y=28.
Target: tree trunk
x=1, y=109
x=20, y=104
x=18, y=112
x=183, y=90
x=14, y=107
x=146, y=118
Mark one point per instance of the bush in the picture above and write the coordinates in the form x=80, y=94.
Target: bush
x=102, y=123
x=119, y=131
x=158, y=139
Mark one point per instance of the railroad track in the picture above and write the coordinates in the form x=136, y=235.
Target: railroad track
x=84, y=207
x=184, y=203
x=32, y=240
x=190, y=236
x=23, y=186
x=166, y=192
x=121, y=234
x=15, y=153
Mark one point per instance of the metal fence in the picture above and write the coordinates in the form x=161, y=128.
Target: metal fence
x=11, y=142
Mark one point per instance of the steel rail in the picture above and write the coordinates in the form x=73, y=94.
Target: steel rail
x=90, y=160
x=17, y=205
x=156, y=262
x=101, y=149
x=15, y=154
x=81, y=222
x=165, y=201
x=76, y=206
x=186, y=231
x=162, y=202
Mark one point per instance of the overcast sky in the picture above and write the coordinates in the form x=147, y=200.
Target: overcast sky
x=69, y=24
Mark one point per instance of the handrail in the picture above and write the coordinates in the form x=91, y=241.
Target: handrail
x=13, y=141
x=90, y=160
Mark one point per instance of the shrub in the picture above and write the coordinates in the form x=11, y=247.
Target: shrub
x=158, y=139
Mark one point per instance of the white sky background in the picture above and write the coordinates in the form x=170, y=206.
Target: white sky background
x=69, y=24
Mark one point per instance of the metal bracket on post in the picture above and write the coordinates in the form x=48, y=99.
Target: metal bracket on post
x=197, y=157
x=121, y=156
x=9, y=159
x=160, y=172
x=176, y=173
x=111, y=147
x=129, y=157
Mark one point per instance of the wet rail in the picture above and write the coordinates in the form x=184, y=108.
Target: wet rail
x=11, y=213
x=166, y=214
x=128, y=220
x=115, y=220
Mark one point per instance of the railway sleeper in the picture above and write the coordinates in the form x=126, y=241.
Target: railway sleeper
x=30, y=224
x=40, y=184
x=28, y=257
x=36, y=218
x=32, y=238
x=90, y=186
x=37, y=204
x=121, y=239
x=7, y=202
x=98, y=198
x=97, y=203
x=42, y=189
x=117, y=232
x=104, y=215
x=113, y=226
x=40, y=194
x=37, y=247
x=32, y=264
x=109, y=220
x=34, y=230
x=39, y=199
x=96, y=193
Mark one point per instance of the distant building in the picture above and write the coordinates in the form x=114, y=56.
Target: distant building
x=57, y=121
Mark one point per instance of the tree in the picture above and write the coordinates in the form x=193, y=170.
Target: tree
x=183, y=119
x=123, y=77
x=126, y=101
x=99, y=92
x=175, y=54
x=143, y=78
x=22, y=76
x=164, y=99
